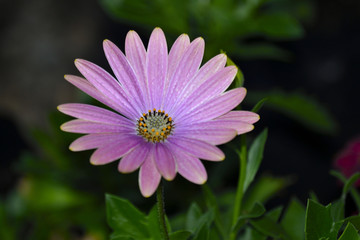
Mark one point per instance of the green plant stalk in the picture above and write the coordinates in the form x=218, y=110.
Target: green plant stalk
x=161, y=211
x=240, y=186
x=356, y=197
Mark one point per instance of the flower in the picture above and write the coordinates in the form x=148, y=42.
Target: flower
x=169, y=112
x=348, y=160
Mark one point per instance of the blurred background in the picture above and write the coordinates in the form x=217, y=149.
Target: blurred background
x=302, y=55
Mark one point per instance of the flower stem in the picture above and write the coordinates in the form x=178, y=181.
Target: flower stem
x=240, y=185
x=161, y=211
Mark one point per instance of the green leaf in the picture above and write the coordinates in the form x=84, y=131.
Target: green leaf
x=300, y=107
x=350, y=182
x=124, y=218
x=293, y=220
x=153, y=223
x=192, y=217
x=203, y=233
x=257, y=210
x=179, y=235
x=198, y=223
x=259, y=105
x=318, y=223
x=279, y=26
x=355, y=220
x=263, y=189
x=350, y=233
x=254, y=158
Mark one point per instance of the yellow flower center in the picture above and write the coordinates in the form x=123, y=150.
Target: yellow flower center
x=155, y=126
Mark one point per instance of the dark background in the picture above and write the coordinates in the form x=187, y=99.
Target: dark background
x=41, y=38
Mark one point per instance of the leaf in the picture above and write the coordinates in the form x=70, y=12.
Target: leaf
x=350, y=182
x=355, y=220
x=299, y=107
x=124, y=218
x=239, y=80
x=153, y=223
x=202, y=226
x=293, y=220
x=338, y=209
x=279, y=26
x=179, y=235
x=259, y=105
x=254, y=158
x=350, y=233
x=257, y=210
x=318, y=223
x=192, y=217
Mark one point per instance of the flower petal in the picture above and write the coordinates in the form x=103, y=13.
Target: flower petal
x=136, y=55
x=156, y=67
x=244, y=116
x=211, y=88
x=132, y=161
x=95, y=140
x=124, y=73
x=165, y=161
x=149, y=177
x=114, y=150
x=176, y=52
x=210, y=135
x=185, y=71
x=94, y=114
x=85, y=86
x=198, y=148
x=214, y=107
x=108, y=86
x=189, y=166
x=84, y=126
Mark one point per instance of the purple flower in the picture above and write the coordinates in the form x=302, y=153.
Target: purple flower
x=169, y=111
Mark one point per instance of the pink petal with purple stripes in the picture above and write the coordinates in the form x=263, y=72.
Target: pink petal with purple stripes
x=94, y=114
x=189, y=166
x=214, y=107
x=176, y=52
x=198, y=148
x=84, y=126
x=149, y=177
x=132, y=161
x=210, y=135
x=185, y=71
x=156, y=66
x=85, y=86
x=136, y=55
x=244, y=116
x=124, y=73
x=114, y=150
x=96, y=140
x=108, y=86
x=211, y=88
x=165, y=161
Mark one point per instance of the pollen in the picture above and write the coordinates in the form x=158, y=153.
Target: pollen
x=155, y=126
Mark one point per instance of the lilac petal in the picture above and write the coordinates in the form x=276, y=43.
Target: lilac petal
x=176, y=52
x=211, y=88
x=185, y=71
x=136, y=55
x=132, y=161
x=165, y=162
x=95, y=140
x=108, y=86
x=94, y=114
x=85, y=86
x=205, y=72
x=198, y=148
x=84, y=126
x=189, y=166
x=210, y=135
x=114, y=150
x=124, y=73
x=239, y=126
x=149, y=177
x=244, y=116
x=156, y=67
x=214, y=107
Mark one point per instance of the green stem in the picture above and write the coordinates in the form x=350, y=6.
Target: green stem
x=161, y=211
x=240, y=186
x=356, y=197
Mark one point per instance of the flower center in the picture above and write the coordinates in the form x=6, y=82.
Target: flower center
x=155, y=126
